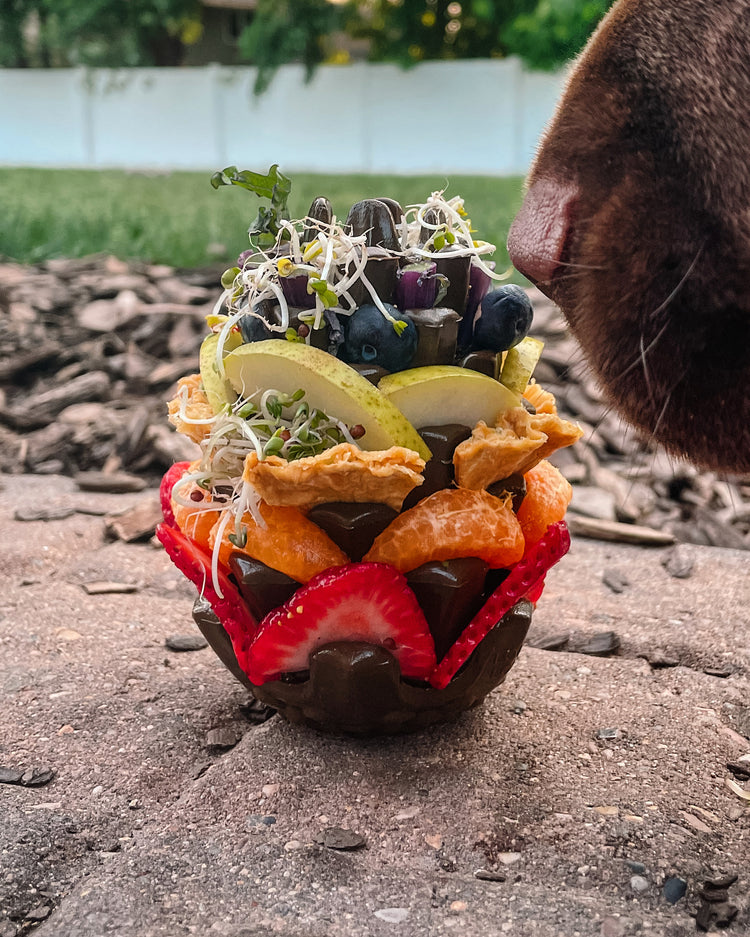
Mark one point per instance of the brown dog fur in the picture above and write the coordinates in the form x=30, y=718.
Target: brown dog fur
x=653, y=133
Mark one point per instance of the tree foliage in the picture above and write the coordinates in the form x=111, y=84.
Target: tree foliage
x=41, y=33
x=545, y=33
x=289, y=31
x=553, y=31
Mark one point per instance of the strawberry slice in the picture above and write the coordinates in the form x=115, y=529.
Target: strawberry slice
x=229, y=607
x=526, y=580
x=170, y=479
x=369, y=602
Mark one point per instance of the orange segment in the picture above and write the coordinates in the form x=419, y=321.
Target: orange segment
x=451, y=523
x=196, y=521
x=289, y=543
x=548, y=495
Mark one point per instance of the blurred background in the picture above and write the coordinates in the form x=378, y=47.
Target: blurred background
x=114, y=113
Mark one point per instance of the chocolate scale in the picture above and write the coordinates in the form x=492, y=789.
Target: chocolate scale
x=262, y=588
x=438, y=473
x=450, y=594
x=352, y=526
x=514, y=485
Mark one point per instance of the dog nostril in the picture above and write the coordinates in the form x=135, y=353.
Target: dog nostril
x=540, y=231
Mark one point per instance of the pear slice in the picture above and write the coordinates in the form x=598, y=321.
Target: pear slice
x=519, y=364
x=444, y=393
x=218, y=390
x=329, y=384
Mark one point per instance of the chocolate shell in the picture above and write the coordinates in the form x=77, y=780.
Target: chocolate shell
x=357, y=688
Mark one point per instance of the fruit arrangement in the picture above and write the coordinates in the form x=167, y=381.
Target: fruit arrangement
x=373, y=513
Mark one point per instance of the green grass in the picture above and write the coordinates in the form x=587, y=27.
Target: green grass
x=178, y=219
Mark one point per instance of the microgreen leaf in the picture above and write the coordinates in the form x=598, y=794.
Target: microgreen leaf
x=239, y=539
x=399, y=326
x=274, y=185
x=228, y=277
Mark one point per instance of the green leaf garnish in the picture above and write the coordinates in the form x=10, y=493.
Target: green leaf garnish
x=228, y=277
x=274, y=185
x=239, y=539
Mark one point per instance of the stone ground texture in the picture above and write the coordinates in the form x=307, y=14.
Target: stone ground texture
x=147, y=829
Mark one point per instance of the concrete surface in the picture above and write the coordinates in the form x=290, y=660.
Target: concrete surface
x=148, y=830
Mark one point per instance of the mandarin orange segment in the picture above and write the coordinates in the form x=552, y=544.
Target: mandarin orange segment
x=548, y=495
x=289, y=543
x=196, y=521
x=451, y=523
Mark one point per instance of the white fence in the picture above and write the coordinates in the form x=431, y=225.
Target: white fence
x=478, y=116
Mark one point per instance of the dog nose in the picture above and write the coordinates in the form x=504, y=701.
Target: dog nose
x=539, y=234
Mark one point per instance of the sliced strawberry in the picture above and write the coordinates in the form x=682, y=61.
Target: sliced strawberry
x=229, y=607
x=170, y=479
x=525, y=581
x=369, y=602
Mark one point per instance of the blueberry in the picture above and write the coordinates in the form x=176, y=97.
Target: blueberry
x=369, y=338
x=505, y=319
x=254, y=329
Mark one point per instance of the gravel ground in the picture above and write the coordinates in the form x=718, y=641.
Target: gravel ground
x=586, y=796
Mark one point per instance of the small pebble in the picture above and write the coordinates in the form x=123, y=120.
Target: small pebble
x=608, y=734
x=10, y=775
x=110, y=588
x=186, y=642
x=721, y=672
x=37, y=777
x=223, y=737
x=113, y=482
x=509, y=858
x=659, y=661
x=615, y=581
x=335, y=837
x=601, y=644
x=393, y=915
x=39, y=913
x=639, y=884
x=256, y=821
x=678, y=564
x=674, y=889
x=552, y=642
x=638, y=867
x=43, y=514
x=490, y=875
x=519, y=707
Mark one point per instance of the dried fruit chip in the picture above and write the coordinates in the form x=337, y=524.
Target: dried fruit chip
x=494, y=453
x=196, y=407
x=342, y=473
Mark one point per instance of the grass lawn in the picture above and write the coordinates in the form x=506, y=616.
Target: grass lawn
x=178, y=219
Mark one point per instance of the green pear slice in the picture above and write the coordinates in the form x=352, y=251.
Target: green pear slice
x=444, y=393
x=217, y=389
x=329, y=384
x=520, y=362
